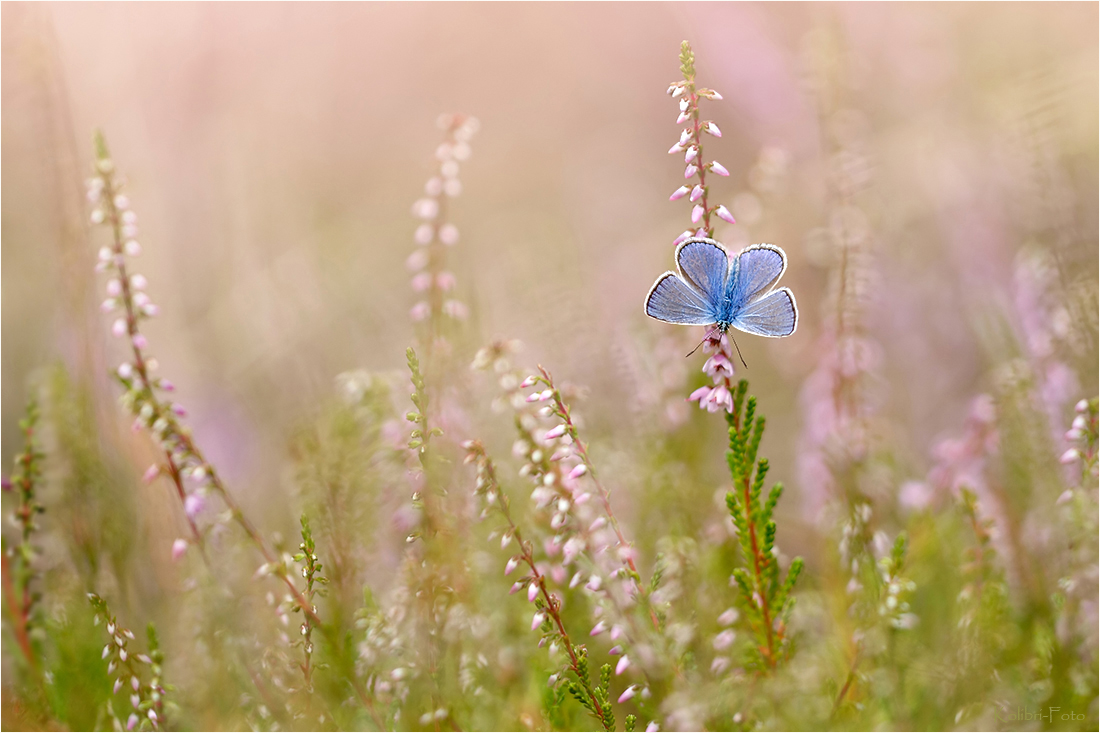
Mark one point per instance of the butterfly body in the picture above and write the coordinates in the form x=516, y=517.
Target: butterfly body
x=711, y=288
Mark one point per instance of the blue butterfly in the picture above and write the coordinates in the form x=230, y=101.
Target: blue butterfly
x=713, y=289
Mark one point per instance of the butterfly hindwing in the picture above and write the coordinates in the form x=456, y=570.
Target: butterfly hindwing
x=672, y=300
x=705, y=264
x=773, y=315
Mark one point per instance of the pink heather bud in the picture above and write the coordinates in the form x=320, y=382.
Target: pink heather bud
x=724, y=640
x=505, y=539
x=167, y=386
x=138, y=282
x=132, y=721
x=125, y=371
x=697, y=214
x=421, y=281
x=532, y=591
x=516, y=588
x=598, y=629
x=536, y=620
x=696, y=193
x=616, y=632
x=511, y=565
x=653, y=727
x=153, y=715
x=679, y=193
x=1082, y=406
x=555, y=432
x=685, y=235
x=624, y=663
x=151, y=473
x=690, y=171
x=712, y=129
x=682, y=118
x=593, y=583
x=150, y=310
x=448, y=234
x=718, y=168
x=691, y=154
x=117, y=686
x=456, y=309
x=718, y=366
x=179, y=410
x=628, y=693
x=135, y=700
x=139, y=341
x=129, y=231
x=724, y=214
x=700, y=395
x=114, y=287
x=135, y=683
x=615, y=650
x=578, y=471
x=132, y=248
x=105, y=255
x=179, y=547
x=97, y=216
x=1065, y=497
x=700, y=232
x=677, y=92
x=108, y=305
x=423, y=234
x=118, y=328
x=678, y=147
x=420, y=311
x=426, y=209
x=1074, y=434
x=418, y=260
x=684, y=104
x=193, y=505
x=129, y=217
x=528, y=382
x=1079, y=423
x=545, y=395
x=1070, y=456
x=728, y=617
x=685, y=136
x=576, y=579
x=597, y=524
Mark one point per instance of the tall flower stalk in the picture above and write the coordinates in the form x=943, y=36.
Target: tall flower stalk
x=146, y=394
x=18, y=571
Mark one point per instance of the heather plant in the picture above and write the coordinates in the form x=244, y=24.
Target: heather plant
x=475, y=540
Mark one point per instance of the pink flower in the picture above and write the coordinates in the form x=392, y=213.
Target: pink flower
x=179, y=547
x=724, y=214
x=685, y=235
x=691, y=170
x=719, y=168
x=194, y=504
x=624, y=663
x=696, y=193
x=628, y=693
x=697, y=214
x=718, y=366
x=679, y=193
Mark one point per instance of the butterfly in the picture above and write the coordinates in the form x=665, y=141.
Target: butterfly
x=712, y=288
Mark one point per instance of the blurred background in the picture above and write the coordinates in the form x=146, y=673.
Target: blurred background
x=273, y=154
x=930, y=170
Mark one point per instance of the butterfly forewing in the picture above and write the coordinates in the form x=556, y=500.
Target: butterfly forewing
x=756, y=271
x=773, y=315
x=674, y=301
x=705, y=264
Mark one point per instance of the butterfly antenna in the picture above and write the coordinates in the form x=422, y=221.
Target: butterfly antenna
x=738, y=351
x=709, y=334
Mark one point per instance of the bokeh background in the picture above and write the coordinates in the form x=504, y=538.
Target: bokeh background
x=273, y=153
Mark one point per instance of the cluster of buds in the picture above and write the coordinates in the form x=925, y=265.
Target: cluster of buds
x=719, y=367
x=1082, y=436
x=691, y=145
x=146, y=394
x=547, y=617
x=434, y=234
x=147, y=698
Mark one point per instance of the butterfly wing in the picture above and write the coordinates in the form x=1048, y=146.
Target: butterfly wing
x=705, y=264
x=756, y=271
x=672, y=300
x=773, y=315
